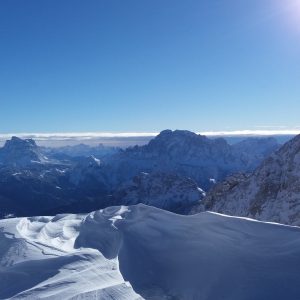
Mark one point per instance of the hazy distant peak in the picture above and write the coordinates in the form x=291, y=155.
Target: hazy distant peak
x=21, y=152
x=16, y=141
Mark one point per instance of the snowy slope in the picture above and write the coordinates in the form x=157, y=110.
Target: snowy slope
x=162, y=255
x=38, y=260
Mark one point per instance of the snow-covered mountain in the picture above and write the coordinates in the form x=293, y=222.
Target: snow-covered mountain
x=162, y=190
x=189, y=155
x=140, y=252
x=271, y=193
x=32, y=183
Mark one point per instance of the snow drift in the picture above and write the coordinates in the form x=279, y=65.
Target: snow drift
x=141, y=252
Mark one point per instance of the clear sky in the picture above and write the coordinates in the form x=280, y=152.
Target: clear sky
x=147, y=65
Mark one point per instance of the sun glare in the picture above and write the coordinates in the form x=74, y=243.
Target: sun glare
x=289, y=13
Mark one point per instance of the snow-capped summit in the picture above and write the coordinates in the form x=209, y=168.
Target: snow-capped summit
x=19, y=152
x=271, y=193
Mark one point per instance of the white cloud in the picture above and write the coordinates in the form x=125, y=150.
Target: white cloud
x=252, y=132
x=85, y=136
x=77, y=135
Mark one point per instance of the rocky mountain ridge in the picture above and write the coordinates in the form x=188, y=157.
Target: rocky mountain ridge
x=33, y=183
x=271, y=193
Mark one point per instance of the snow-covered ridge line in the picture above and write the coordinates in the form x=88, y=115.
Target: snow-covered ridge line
x=253, y=220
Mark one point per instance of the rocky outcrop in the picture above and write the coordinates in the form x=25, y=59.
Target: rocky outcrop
x=162, y=190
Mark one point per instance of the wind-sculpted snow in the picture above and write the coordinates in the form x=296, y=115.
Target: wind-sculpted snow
x=39, y=261
x=162, y=255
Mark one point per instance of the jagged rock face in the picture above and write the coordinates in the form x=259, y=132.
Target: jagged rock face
x=271, y=193
x=18, y=152
x=162, y=190
x=218, y=191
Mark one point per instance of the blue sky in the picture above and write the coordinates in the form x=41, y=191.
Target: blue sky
x=138, y=65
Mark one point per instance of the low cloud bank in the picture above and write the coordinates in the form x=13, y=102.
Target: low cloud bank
x=252, y=132
x=76, y=135
x=124, y=139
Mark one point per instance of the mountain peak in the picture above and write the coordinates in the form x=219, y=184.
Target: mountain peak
x=20, y=152
x=18, y=142
x=178, y=133
x=168, y=138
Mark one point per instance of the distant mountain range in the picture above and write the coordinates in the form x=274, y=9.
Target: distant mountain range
x=36, y=180
x=190, y=155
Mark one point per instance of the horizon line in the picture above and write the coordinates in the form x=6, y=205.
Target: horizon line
x=95, y=135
